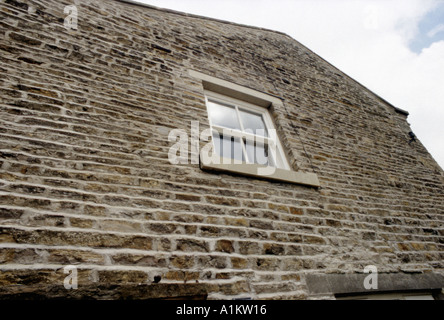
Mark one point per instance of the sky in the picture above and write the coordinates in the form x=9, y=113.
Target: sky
x=395, y=48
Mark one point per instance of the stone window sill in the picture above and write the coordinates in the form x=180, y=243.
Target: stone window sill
x=262, y=172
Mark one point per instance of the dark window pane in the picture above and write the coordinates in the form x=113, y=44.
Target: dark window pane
x=228, y=147
x=258, y=153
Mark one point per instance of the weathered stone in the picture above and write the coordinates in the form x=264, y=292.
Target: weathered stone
x=291, y=277
x=235, y=288
x=261, y=224
x=297, y=211
x=281, y=208
x=223, y=201
x=81, y=223
x=182, y=262
x=273, y=249
x=139, y=260
x=247, y=248
x=313, y=240
x=239, y=222
x=190, y=245
x=188, y=197
x=225, y=246
x=86, y=180
x=266, y=264
x=7, y=213
x=182, y=276
x=210, y=231
x=292, y=264
x=213, y=262
x=139, y=292
x=122, y=277
x=71, y=257
x=23, y=39
x=89, y=239
x=7, y=255
x=239, y=263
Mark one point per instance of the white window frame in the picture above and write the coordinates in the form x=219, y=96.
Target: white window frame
x=257, y=99
x=280, y=160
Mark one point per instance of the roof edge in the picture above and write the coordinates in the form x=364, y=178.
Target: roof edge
x=191, y=15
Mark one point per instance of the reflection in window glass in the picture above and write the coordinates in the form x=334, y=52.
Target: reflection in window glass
x=228, y=147
x=258, y=153
x=253, y=122
x=223, y=116
x=248, y=132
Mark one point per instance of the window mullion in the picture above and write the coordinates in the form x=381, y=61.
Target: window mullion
x=244, y=146
x=244, y=150
x=230, y=132
x=239, y=118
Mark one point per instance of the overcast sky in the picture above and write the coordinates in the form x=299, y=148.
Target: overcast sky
x=393, y=47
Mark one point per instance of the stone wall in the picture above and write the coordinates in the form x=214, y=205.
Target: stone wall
x=85, y=178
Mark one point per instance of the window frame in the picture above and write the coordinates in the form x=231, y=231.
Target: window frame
x=281, y=161
x=260, y=99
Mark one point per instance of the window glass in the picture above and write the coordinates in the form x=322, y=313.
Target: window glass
x=241, y=121
x=258, y=153
x=222, y=115
x=254, y=122
x=228, y=147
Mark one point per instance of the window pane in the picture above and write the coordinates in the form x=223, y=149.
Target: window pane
x=223, y=116
x=258, y=153
x=254, y=122
x=228, y=147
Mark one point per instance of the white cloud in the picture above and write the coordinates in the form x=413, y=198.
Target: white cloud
x=438, y=29
x=366, y=39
